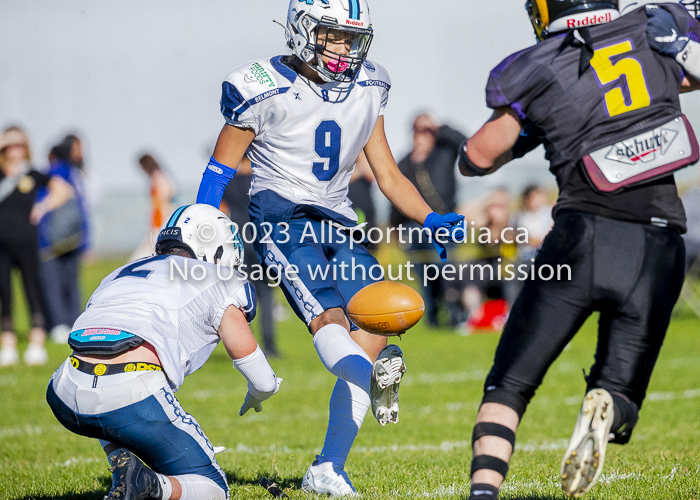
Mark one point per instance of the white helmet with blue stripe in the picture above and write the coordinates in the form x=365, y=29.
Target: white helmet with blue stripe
x=206, y=232
x=331, y=36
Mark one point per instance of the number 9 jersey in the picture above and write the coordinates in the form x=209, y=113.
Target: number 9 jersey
x=307, y=136
x=587, y=90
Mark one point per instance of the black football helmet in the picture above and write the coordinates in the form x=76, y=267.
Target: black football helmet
x=550, y=16
x=693, y=6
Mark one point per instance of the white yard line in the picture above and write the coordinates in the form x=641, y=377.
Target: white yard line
x=512, y=485
x=27, y=430
x=80, y=460
x=569, y=401
x=562, y=366
x=443, y=378
x=452, y=490
x=462, y=406
x=678, y=363
x=615, y=476
x=515, y=485
x=444, y=447
x=652, y=396
x=529, y=447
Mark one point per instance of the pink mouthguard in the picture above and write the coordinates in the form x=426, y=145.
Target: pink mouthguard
x=337, y=66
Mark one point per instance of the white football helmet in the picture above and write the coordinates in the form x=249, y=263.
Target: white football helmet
x=206, y=232
x=310, y=24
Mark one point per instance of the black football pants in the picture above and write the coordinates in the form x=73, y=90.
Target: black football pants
x=26, y=257
x=631, y=273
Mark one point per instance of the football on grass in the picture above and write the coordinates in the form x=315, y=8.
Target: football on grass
x=386, y=308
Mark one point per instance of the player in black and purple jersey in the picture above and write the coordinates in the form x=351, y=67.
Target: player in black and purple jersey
x=602, y=96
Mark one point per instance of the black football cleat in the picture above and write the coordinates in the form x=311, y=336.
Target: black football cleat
x=131, y=479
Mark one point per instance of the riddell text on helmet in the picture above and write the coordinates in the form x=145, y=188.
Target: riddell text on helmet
x=589, y=21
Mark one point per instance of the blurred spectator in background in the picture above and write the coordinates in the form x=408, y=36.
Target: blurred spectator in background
x=360, y=193
x=486, y=298
x=691, y=203
x=61, y=213
x=162, y=193
x=536, y=217
x=18, y=245
x=236, y=200
x=430, y=166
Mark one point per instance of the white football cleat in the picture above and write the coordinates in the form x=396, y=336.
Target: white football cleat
x=583, y=461
x=324, y=479
x=35, y=355
x=387, y=371
x=9, y=356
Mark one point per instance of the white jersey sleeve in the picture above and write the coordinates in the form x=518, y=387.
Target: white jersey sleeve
x=374, y=75
x=243, y=298
x=174, y=303
x=244, y=91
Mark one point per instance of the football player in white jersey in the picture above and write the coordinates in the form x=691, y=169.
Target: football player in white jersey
x=147, y=326
x=303, y=120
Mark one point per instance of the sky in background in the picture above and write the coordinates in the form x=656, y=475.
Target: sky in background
x=139, y=75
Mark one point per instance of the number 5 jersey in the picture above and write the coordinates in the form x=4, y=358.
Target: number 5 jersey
x=307, y=136
x=596, y=90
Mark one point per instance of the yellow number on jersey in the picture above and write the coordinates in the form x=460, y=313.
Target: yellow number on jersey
x=628, y=67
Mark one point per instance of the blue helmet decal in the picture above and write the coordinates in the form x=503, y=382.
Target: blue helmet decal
x=237, y=240
x=354, y=9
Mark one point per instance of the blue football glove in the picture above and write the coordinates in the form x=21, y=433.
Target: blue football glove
x=451, y=227
x=214, y=181
x=663, y=34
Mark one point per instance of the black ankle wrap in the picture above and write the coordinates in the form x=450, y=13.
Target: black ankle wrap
x=492, y=429
x=481, y=462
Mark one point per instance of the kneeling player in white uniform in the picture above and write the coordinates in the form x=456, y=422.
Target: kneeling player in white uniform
x=145, y=328
x=303, y=120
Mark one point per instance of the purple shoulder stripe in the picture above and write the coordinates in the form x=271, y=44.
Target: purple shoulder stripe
x=503, y=65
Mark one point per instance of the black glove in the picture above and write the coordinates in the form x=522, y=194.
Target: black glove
x=527, y=141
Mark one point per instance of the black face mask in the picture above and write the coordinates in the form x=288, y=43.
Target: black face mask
x=342, y=68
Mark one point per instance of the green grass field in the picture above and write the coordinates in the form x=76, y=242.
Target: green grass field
x=426, y=455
